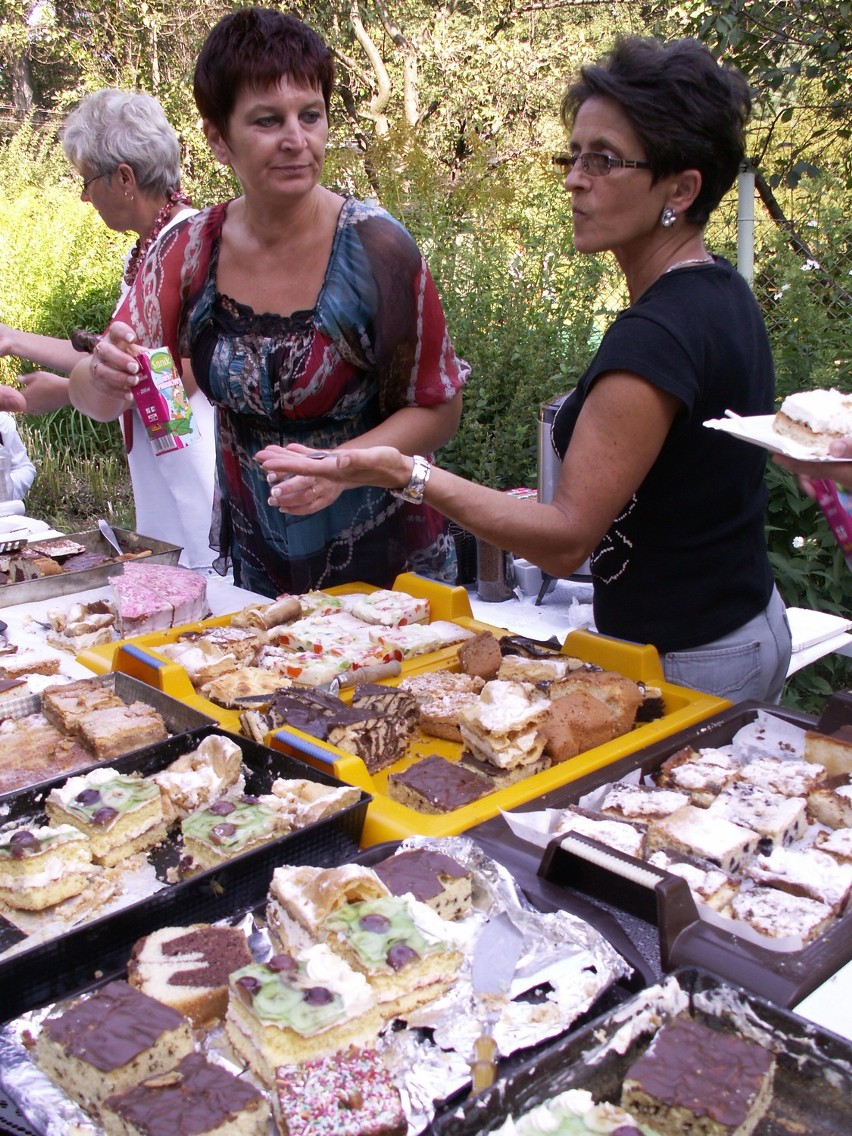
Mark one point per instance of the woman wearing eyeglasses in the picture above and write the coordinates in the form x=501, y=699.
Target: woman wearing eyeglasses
x=670, y=512
x=128, y=157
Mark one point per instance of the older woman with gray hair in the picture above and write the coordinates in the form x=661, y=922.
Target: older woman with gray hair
x=128, y=156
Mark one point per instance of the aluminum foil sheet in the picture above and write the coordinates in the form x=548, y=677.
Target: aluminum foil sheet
x=565, y=965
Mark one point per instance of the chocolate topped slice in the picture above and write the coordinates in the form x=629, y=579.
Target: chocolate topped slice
x=435, y=785
x=430, y=876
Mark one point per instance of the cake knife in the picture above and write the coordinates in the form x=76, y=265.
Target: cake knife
x=495, y=957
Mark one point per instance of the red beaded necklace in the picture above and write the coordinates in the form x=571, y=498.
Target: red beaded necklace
x=140, y=249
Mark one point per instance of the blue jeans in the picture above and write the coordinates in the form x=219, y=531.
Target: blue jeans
x=747, y=664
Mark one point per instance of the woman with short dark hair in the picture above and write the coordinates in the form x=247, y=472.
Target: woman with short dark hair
x=307, y=317
x=671, y=513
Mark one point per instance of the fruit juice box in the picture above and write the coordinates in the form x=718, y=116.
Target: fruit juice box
x=163, y=402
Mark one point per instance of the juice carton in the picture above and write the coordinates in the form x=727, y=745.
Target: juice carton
x=163, y=402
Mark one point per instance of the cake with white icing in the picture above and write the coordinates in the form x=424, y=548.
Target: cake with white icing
x=815, y=418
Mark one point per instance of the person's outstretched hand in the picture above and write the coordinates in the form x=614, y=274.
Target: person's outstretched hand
x=808, y=471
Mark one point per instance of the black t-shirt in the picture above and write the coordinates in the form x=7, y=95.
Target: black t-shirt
x=686, y=561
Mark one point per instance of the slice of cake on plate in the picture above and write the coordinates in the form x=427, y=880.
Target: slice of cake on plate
x=294, y=1009
x=42, y=865
x=348, y=1094
x=188, y=968
x=119, y=813
x=107, y=1041
x=195, y=1097
x=815, y=418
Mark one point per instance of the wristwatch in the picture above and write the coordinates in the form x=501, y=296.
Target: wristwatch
x=414, y=491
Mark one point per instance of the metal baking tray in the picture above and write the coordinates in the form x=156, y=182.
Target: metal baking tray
x=179, y=717
x=65, y=583
x=813, y=1078
x=668, y=913
x=59, y=967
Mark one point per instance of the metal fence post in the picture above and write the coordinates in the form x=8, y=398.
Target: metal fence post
x=745, y=221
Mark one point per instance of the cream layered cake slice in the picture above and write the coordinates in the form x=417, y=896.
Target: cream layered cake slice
x=210, y=772
x=348, y=1094
x=306, y=802
x=780, y=821
x=505, y=727
x=227, y=828
x=691, y=830
x=301, y=898
x=155, y=597
x=196, y=1097
x=693, y=1078
x=815, y=418
x=43, y=865
x=401, y=947
x=119, y=813
x=107, y=1041
x=188, y=968
x=298, y=1008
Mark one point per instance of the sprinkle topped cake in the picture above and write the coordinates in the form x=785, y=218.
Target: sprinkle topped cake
x=349, y=1094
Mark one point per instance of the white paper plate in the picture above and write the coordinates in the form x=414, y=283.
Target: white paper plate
x=757, y=428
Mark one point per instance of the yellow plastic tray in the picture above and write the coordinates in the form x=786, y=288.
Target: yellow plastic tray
x=138, y=656
x=389, y=820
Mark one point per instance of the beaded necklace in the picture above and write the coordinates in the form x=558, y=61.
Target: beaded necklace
x=140, y=249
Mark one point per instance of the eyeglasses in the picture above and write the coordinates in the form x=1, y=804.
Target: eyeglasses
x=595, y=165
x=88, y=181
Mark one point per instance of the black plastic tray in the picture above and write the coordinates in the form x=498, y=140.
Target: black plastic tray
x=665, y=922
x=62, y=966
x=812, y=1085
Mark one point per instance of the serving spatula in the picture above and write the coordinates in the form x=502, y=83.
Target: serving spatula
x=495, y=957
